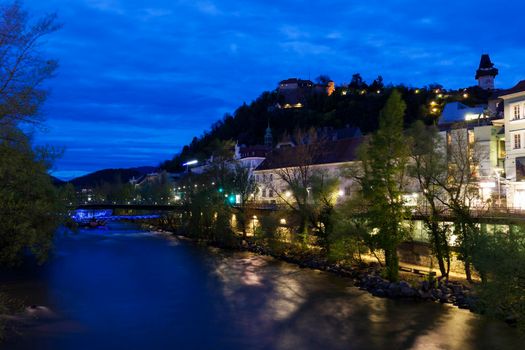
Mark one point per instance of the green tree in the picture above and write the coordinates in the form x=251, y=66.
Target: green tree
x=384, y=161
x=500, y=260
x=29, y=206
x=30, y=209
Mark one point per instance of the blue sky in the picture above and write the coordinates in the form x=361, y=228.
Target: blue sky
x=138, y=79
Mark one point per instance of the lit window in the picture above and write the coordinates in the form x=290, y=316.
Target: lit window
x=517, y=141
x=517, y=114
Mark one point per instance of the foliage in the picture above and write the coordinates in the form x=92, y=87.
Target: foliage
x=350, y=236
x=384, y=160
x=30, y=209
x=500, y=260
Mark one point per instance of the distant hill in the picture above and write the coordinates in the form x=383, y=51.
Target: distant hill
x=110, y=176
x=56, y=181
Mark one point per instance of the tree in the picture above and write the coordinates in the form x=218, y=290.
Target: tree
x=357, y=82
x=384, y=161
x=23, y=68
x=30, y=209
x=294, y=179
x=500, y=260
x=460, y=190
x=323, y=79
x=430, y=170
x=244, y=186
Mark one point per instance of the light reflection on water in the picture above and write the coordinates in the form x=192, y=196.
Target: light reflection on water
x=127, y=289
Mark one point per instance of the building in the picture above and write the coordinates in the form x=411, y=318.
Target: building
x=486, y=73
x=514, y=119
x=328, y=157
x=295, y=92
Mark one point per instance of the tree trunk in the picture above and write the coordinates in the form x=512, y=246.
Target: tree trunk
x=392, y=264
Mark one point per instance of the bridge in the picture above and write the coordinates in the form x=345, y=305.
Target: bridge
x=493, y=215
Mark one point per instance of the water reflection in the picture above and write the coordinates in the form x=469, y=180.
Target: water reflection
x=127, y=289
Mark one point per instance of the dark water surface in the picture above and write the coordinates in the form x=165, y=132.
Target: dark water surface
x=127, y=289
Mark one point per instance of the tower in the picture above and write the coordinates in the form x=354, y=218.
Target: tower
x=268, y=137
x=486, y=73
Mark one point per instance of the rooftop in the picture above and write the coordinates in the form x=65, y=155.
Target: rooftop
x=327, y=152
x=486, y=67
x=519, y=87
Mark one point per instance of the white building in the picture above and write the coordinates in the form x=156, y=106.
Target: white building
x=329, y=158
x=514, y=116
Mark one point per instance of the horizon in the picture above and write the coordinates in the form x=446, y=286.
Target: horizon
x=148, y=79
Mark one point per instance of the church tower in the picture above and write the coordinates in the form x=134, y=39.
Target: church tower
x=268, y=137
x=486, y=73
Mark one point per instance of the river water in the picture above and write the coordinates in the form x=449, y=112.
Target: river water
x=124, y=288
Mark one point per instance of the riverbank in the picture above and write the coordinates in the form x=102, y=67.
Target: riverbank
x=366, y=276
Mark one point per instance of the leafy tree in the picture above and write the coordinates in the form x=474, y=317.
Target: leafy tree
x=500, y=260
x=384, y=160
x=357, y=82
x=30, y=209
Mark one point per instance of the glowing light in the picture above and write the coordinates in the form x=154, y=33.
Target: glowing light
x=288, y=194
x=465, y=95
x=282, y=221
x=433, y=103
x=416, y=91
x=378, y=91
x=344, y=92
x=435, y=110
x=255, y=217
x=471, y=116
x=191, y=162
x=341, y=193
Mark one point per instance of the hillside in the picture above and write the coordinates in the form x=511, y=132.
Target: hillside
x=111, y=176
x=356, y=104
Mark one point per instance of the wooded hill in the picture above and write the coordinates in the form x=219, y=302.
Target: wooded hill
x=355, y=105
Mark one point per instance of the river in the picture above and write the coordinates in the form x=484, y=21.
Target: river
x=124, y=288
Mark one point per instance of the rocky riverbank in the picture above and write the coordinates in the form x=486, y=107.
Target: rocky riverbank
x=368, y=278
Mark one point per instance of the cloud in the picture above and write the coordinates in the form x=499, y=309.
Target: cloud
x=137, y=71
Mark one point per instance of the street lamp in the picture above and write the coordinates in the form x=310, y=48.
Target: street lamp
x=498, y=171
x=187, y=164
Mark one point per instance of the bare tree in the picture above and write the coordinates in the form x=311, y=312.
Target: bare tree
x=460, y=188
x=23, y=67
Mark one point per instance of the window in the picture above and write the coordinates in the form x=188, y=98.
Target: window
x=264, y=193
x=271, y=177
x=516, y=114
x=517, y=141
x=270, y=193
x=520, y=168
x=264, y=177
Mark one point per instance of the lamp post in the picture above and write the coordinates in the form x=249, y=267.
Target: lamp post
x=187, y=164
x=498, y=171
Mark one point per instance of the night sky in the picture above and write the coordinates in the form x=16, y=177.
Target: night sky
x=139, y=78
